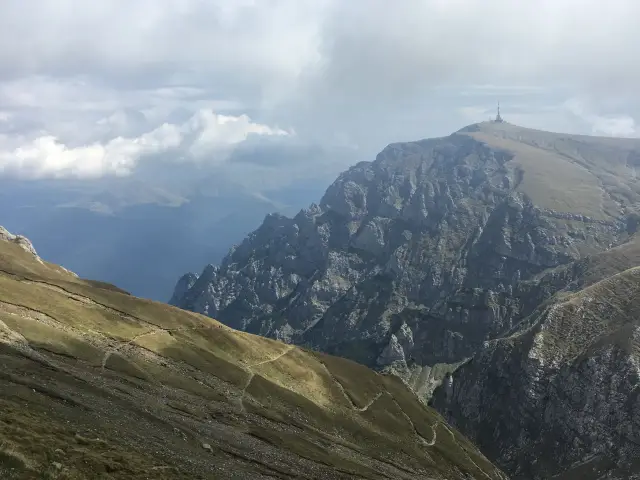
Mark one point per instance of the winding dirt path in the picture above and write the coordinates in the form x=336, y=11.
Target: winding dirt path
x=366, y=407
x=111, y=351
x=252, y=374
x=291, y=347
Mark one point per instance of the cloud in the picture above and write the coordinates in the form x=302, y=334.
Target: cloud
x=616, y=125
x=357, y=46
x=205, y=137
x=361, y=73
x=383, y=66
x=214, y=132
x=143, y=42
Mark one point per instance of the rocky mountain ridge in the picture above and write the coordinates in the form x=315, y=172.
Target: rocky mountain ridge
x=419, y=262
x=557, y=397
x=410, y=262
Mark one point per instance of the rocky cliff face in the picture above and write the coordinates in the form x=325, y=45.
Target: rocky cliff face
x=559, y=397
x=414, y=260
x=182, y=287
x=417, y=262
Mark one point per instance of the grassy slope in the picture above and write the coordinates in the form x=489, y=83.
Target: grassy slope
x=603, y=313
x=592, y=176
x=95, y=383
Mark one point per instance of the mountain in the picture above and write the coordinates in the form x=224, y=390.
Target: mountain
x=499, y=260
x=409, y=263
x=140, y=235
x=558, y=396
x=96, y=383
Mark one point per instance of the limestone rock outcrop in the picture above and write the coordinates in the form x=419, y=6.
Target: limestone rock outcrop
x=439, y=261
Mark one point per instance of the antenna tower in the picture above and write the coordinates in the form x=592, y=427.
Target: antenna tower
x=498, y=117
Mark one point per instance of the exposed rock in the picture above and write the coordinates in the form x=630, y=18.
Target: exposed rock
x=435, y=235
x=420, y=260
x=23, y=242
x=392, y=353
x=425, y=379
x=184, y=284
x=558, y=398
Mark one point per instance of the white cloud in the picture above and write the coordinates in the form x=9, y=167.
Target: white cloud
x=205, y=137
x=622, y=126
x=261, y=45
x=614, y=125
x=358, y=72
x=265, y=43
x=218, y=132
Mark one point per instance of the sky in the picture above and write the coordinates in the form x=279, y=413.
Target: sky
x=250, y=87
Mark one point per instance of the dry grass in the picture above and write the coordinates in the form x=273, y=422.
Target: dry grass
x=568, y=173
x=128, y=388
x=552, y=181
x=52, y=339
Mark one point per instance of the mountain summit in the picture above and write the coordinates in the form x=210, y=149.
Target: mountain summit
x=412, y=262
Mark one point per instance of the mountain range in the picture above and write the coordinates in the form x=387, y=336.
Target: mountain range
x=492, y=270
x=461, y=307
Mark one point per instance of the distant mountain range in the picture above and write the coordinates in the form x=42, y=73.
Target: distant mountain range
x=140, y=235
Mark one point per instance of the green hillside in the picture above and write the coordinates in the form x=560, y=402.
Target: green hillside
x=95, y=383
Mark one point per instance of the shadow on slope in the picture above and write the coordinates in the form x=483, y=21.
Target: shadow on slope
x=558, y=398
